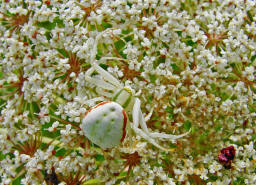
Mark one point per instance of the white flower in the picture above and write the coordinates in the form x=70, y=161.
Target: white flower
x=200, y=51
x=250, y=151
x=146, y=42
x=214, y=167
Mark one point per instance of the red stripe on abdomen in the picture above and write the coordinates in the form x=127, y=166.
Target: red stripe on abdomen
x=124, y=126
x=96, y=106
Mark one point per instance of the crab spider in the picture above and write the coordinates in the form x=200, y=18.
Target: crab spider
x=105, y=124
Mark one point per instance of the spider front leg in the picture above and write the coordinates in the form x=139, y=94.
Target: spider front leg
x=107, y=76
x=144, y=133
x=139, y=119
x=94, y=49
x=157, y=134
x=109, y=82
x=149, y=139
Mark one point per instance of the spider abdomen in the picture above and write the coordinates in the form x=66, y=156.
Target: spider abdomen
x=104, y=124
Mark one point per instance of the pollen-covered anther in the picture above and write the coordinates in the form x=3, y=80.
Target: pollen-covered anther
x=184, y=100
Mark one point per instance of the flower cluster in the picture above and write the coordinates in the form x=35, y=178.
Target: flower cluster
x=193, y=62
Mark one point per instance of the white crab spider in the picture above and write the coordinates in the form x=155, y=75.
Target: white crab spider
x=105, y=124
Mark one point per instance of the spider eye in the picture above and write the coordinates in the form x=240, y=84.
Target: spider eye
x=112, y=109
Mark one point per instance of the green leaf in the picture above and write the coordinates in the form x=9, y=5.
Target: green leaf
x=158, y=61
x=76, y=21
x=175, y=68
x=150, y=99
x=193, y=130
x=59, y=22
x=158, y=164
x=60, y=152
x=99, y=51
x=51, y=25
x=106, y=25
x=11, y=155
x=237, y=67
x=63, y=52
x=48, y=35
x=45, y=131
x=253, y=58
x=20, y=168
x=152, y=78
x=99, y=158
x=93, y=181
x=190, y=43
x=2, y=156
x=127, y=31
x=119, y=45
x=188, y=112
x=173, y=145
x=252, y=108
x=224, y=96
x=104, y=66
x=239, y=181
x=169, y=109
x=187, y=125
x=123, y=173
x=158, y=125
x=155, y=118
x=253, y=137
x=250, y=16
x=179, y=33
x=172, y=102
x=129, y=38
x=213, y=178
x=218, y=127
x=253, y=88
x=129, y=4
x=170, y=116
x=47, y=25
x=17, y=181
x=203, y=136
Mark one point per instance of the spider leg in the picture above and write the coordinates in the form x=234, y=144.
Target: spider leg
x=168, y=136
x=158, y=134
x=135, y=113
x=89, y=72
x=150, y=139
x=145, y=128
x=107, y=76
x=103, y=92
x=94, y=49
x=97, y=82
x=140, y=118
x=149, y=114
x=137, y=116
x=114, y=58
x=137, y=93
x=100, y=83
x=93, y=101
